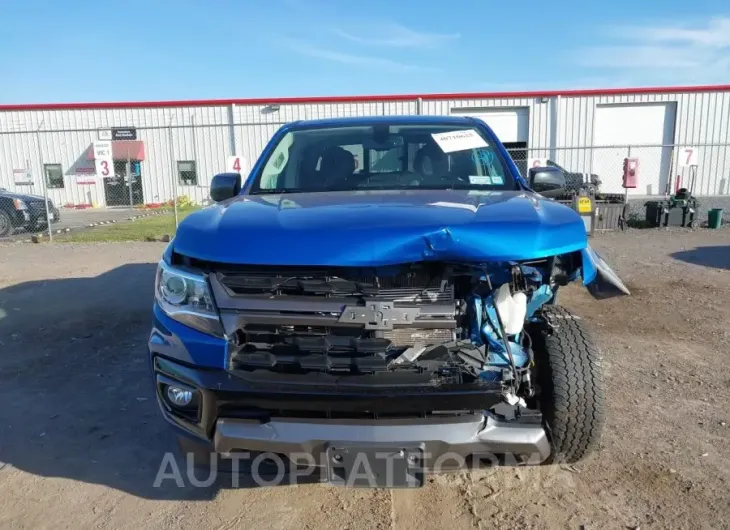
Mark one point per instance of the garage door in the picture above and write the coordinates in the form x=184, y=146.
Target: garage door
x=511, y=125
x=646, y=128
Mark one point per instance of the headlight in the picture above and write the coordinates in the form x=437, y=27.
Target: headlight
x=174, y=288
x=20, y=204
x=184, y=296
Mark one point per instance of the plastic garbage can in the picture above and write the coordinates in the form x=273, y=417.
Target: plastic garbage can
x=714, y=218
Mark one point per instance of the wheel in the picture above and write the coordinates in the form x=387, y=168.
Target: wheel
x=694, y=224
x=6, y=224
x=571, y=390
x=623, y=220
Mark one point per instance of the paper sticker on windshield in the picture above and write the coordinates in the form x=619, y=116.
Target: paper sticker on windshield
x=480, y=179
x=497, y=180
x=459, y=140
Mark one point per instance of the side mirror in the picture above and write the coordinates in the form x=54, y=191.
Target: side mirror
x=547, y=181
x=224, y=186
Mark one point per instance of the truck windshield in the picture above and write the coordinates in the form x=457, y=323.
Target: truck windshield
x=383, y=157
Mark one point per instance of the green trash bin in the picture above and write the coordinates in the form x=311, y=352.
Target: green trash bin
x=714, y=218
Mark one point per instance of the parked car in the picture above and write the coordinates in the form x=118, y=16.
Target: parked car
x=24, y=211
x=327, y=314
x=576, y=181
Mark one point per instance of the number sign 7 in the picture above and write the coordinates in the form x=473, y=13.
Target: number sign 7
x=688, y=157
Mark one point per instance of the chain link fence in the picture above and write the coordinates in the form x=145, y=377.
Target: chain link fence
x=703, y=169
x=56, y=181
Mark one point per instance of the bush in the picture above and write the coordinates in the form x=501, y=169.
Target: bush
x=183, y=202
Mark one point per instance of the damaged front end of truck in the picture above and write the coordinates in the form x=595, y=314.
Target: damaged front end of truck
x=434, y=341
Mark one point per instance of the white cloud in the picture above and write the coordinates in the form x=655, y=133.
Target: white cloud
x=715, y=34
x=638, y=56
x=396, y=35
x=363, y=61
x=678, y=54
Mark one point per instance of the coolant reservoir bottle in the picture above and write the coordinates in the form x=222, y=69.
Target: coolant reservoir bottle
x=512, y=309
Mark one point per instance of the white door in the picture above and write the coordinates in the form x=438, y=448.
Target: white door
x=509, y=124
x=644, y=127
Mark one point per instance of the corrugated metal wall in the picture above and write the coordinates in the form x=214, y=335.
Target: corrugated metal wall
x=702, y=121
x=539, y=113
x=65, y=136
x=209, y=134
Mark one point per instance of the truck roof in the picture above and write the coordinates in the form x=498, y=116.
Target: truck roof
x=380, y=120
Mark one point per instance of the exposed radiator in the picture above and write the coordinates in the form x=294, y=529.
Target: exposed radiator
x=414, y=287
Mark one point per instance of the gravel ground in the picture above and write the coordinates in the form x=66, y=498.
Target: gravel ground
x=81, y=439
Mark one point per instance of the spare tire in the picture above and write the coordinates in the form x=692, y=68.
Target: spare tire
x=571, y=390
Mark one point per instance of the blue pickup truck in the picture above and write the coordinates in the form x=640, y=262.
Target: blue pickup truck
x=380, y=292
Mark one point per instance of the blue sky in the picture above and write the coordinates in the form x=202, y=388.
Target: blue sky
x=84, y=50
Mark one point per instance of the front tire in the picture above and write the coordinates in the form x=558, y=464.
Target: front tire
x=571, y=386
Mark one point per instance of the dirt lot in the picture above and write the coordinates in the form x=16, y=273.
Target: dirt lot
x=81, y=439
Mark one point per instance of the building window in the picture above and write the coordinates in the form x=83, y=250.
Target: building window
x=187, y=172
x=54, y=175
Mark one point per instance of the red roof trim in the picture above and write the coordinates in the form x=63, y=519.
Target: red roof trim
x=352, y=99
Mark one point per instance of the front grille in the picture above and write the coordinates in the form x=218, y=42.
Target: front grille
x=309, y=349
x=338, y=321
x=39, y=205
x=413, y=287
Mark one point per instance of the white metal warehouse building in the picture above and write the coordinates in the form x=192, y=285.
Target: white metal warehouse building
x=171, y=149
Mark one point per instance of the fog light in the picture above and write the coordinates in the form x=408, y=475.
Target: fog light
x=180, y=397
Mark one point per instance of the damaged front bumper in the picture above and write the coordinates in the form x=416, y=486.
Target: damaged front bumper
x=232, y=417
x=599, y=278
x=446, y=444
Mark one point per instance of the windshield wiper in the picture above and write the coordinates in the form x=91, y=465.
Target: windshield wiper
x=276, y=191
x=450, y=187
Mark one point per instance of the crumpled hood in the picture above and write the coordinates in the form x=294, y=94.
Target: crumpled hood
x=375, y=228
